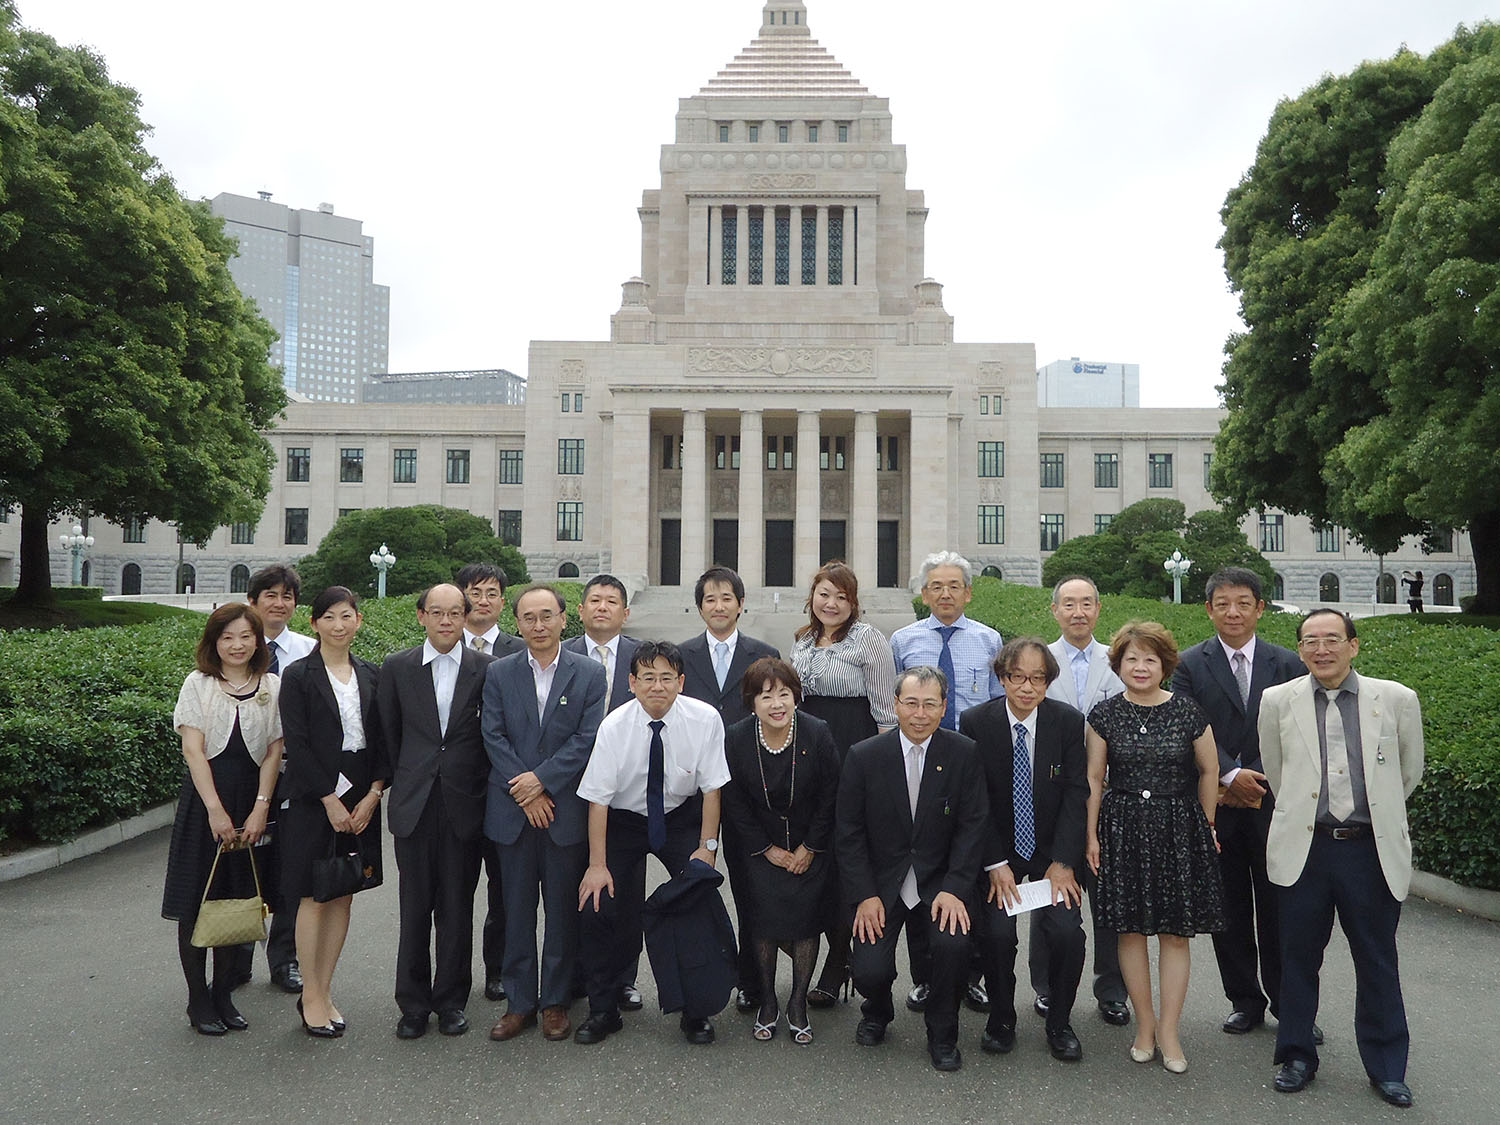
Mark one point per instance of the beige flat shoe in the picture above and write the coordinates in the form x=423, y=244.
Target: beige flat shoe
x=1139, y=1056
x=1176, y=1066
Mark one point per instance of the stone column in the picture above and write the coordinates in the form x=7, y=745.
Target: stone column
x=809, y=525
x=752, y=491
x=864, y=499
x=630, y=498
x=795, y=254
x=716, y=245
x=821, y=269
x=742, y=245
x=694, y=494
x=928, y=458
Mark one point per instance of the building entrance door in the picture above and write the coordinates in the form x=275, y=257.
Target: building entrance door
x=671, y=553
x=727, y=543
x=832, y=541
x=887, y=558
x=779, y=548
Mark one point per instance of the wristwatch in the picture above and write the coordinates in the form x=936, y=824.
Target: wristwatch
x=711, y=844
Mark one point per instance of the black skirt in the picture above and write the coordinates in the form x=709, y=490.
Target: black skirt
x=306, y=835
x=848, y=718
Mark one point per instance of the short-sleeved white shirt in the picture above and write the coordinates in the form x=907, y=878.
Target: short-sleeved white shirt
x=692, y=756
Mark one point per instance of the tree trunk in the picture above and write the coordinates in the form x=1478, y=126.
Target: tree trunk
x=34, y=586
x=1484, y=537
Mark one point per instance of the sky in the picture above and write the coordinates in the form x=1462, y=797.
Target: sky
x=1074, y=156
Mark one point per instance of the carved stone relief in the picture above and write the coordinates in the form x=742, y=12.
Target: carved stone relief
x=570, y=488
x=992, y=372
x=726, y=496
x=889, y=497
x=780, y=181
x=781, y=361
x=571, y=369
x=778, y=497
x=835, y=496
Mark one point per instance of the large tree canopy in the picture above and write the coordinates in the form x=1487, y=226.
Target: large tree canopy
x=133, y=373
x=1362, y=231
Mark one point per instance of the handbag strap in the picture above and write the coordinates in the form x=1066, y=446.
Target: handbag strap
x=224, y=846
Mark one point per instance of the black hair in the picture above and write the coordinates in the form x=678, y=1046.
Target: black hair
x=562, y=603
x=277, y=574
x=474, y=573
x=648, y=653
x=612, y=582
x=331, y=597
x=1232, y=576
x=1348, y=620
x=719, y=574
x=1010, y=655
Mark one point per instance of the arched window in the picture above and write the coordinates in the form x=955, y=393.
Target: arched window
x=1442, y=590
x=1328, y=587
x=187, y=578
x=990, y=572
x=568, y=570
x=239, y=579
x=130, y=579
x=1278, y=588
x=1385, y=588
x=83, y=574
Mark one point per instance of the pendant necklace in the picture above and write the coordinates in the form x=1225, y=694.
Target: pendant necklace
x=1139, y=717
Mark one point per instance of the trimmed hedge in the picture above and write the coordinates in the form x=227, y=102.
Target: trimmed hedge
x=1455, y=670
x=86, y=715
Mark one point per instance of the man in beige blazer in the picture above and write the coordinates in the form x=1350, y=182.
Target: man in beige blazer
x=1341, y=753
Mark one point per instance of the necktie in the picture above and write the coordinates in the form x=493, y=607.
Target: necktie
x=275, y=657
x=909, y=894
x=721, y=662
x=656, y=801
x=1340, y=788
x=479, y=644
x=1025, y=807
x=945, y=666
x=601, y=654
x=1080, y=676
x=1242, y=677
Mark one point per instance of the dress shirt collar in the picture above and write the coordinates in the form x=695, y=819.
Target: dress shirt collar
x=1350, y=684
x=1029, y=722
x=429, y=654
x=1248, y=650
x=931, y=621
x=714, y=642
x=490, y=635
x=907, y=744
x=1075, y=653
x=537, y=667
x=613, y=644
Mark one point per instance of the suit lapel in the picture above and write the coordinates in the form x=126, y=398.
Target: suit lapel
x=320, y=680
x=1369, y=729
x=470, y=677
x=1098, y=666
x=560, y=681
x=897, y=773
x=1218, y=666
x=426, y=696
x=367, y=679
x=1305, y=715
x=932, y=791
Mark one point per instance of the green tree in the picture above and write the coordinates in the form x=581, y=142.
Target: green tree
x=1303, y=230
x=133, y=374
x=430, y=544
x=1100, y=557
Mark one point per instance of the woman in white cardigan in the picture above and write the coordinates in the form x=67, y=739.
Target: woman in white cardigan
x=230, y=724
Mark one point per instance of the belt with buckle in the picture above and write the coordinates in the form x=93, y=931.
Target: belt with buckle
x=1351, y=832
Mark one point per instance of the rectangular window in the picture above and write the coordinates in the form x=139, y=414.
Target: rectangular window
x=772, y=442
x=831, y=452
x=809, y=246
x=783, y=246
x=669, y=445
x=1052, y=470
x=1102, y=522
x=888, y=454
x=754, y=134
x=1208, y=464
x=723, y=134
x=458, y=466
x=578, y=402
x=787, y=460
x=569, y=521
x=755, y=252
x=510, y=466
x=1106, y=470
x=835, y=246
x=508, y=527
x=1052, y=531
x=1273, y=533
x=567, y=402
x=296, y=526
x=843, y=132
x=404, y=466
x=729, y=226
x=984, y=404
x=812, y=134
x=135, y=530
x=783, y=132
x=734, y=451
x=1158, y=470
x=298, y=463
x=351, y=466
x=992, y=458
x=569, y=457
x=1327, y=538
x=1440, y=540
x=242, y=533
x=991, y=523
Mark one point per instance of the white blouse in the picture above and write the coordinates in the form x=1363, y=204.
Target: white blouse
x=860, y=664
x=203, y=705
x=348, y=700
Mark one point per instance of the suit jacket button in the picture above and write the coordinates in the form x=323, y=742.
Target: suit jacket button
x=1309, y=827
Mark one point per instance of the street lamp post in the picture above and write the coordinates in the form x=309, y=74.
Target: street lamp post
x=1177, y=567
x=78, y=543
x=382, y=560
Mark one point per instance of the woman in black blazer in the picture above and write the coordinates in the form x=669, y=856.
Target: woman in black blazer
x=336, y=774
x=783, y=783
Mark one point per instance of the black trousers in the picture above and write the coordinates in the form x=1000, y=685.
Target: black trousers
x=439, y=874
x=492, y=943
x=1343, y=877
x=873, y=965
x=1109, y=985
x=611, y=935
x=1251, y=934
x=1058, y=930
x=735, y=862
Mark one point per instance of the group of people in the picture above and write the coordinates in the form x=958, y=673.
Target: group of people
x=942, y=782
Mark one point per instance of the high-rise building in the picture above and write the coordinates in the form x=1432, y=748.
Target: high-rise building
x=312, y=274
x=1081, y=382
x=493, y=386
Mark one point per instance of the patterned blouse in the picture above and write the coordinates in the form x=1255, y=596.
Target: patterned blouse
x=859, y=665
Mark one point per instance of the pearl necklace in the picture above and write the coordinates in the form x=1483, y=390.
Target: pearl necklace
x=791, y=735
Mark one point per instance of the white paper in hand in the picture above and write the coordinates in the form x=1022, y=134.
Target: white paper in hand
x=1034, y=895
x=342, y=786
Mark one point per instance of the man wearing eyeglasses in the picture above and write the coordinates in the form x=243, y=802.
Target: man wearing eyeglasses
x=1342, y=752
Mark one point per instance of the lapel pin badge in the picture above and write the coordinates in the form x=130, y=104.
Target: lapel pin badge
x=940, y=769
x=562, y=701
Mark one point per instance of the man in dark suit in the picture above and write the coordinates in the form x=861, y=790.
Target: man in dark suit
x=484, y=585
x=912, y=808
x=541, y=713
x=1226, y=675
x=429, y=699
x=714, y=662
x=1036, y=769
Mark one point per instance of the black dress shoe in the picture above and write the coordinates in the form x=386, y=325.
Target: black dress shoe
x=598, y=1027
x=229, y=1015
x=1396, y=1093
x=1317, y=1036
x=869, y=1033
x=945, y=1056
x=1294, y=1076
x=317, y=1030
x=1001, y=1041
x=745, y=1000
x=453, y=1022
x=698, y=1031
x=287, y=977
x=411, y=1027
x=1063, y=1044
x=1040, y=1006
x=1238, y=1022
x=977, y=999
x=916, y=999
x=630, y=997
x=207, y=1022
x=494, y=987
x=1116, y=1013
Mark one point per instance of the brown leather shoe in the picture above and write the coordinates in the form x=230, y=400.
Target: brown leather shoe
x=512, y=1024
x=555, y=1024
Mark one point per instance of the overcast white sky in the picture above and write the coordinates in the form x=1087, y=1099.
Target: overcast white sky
x=1074, y=155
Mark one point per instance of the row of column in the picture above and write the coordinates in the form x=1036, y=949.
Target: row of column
x=851, y=251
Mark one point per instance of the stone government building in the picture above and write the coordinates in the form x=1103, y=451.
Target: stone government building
x=787, y=372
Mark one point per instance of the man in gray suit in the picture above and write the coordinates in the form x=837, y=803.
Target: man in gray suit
x=1086, y=679
x=541, y=713
x=428, y=701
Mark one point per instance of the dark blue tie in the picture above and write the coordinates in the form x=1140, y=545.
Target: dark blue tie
x=275, y=657
x=656, y=801
x=1025, y=807
x=945, y=666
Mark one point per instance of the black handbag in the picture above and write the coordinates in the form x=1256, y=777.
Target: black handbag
x=340, y=874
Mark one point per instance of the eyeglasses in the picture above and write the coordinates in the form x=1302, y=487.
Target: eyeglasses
x=445, y=614
x=1314, y=644
x=930, y=706
x=652, y=679
x=944, y=587
x=1039, y=680
x=546, y=617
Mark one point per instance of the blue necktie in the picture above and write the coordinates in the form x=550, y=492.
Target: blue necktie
x=275, y=667
x=945, y=666
x=1025, y=808
x=656, y=801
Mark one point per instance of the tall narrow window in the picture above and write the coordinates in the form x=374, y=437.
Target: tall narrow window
x=729, y=241
x=754, y=131
x=835, y=246
x=984, y=404
x=1052, y=470
x=809, y=246
x=404, y=466
x=569, y=457
x=458, y=466
x=351, y=466
x=567, y=402
x=511, y=466
x=242, y=533
x=783, y=246
x=756, y=249
x=843, y=132
x=1208, y=466
x=1106, y=470
x=992, y=458
x=787, y=460
x=569, y=521
x=723, y=134
x=508, y=526
x=772, y=441
x=298, y=463
x=783, y=132
x=1158, y=470
x=135, y=530
x=992, y=523
x=296, y=526
x=1273, y=533
x=1052, y=532
x=812, y=134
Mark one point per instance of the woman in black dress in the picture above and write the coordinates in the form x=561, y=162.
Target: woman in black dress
x=336, y=774
x=231, y=739
x=1151, y=835
x=783, y=782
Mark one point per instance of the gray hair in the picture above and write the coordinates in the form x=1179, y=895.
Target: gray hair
x=1057, y=590
x=923, y=674
x=946, y=558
